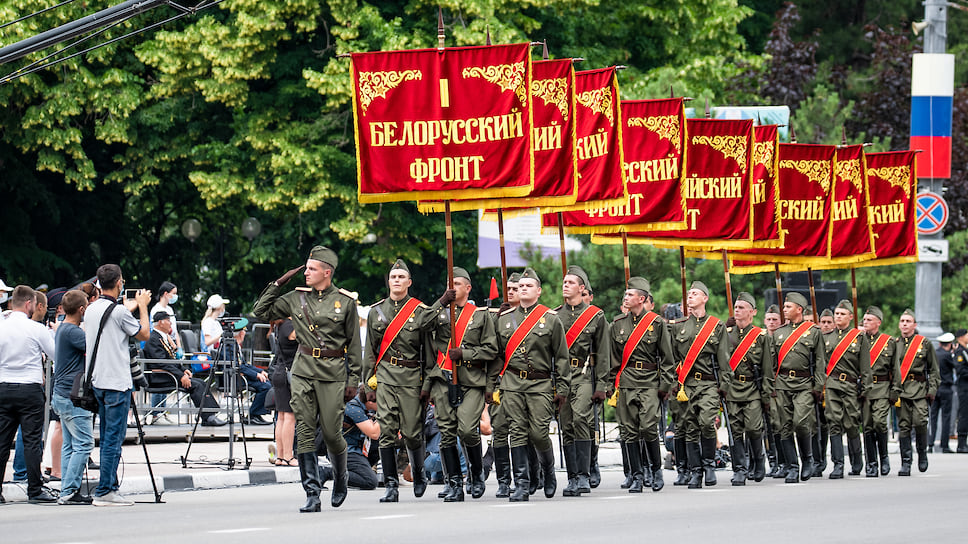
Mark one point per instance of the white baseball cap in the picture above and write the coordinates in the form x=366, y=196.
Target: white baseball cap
x=4, y=286
x=215, y=301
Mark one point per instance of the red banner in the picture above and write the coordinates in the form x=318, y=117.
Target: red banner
x=850, y=240
x=717, y=189
x=893, y=184
x=766, y=195
x=653, y=138
x=443, y=124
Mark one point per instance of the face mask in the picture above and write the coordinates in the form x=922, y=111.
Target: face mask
x=4, y=296
x=173, y=299
x=220, y=314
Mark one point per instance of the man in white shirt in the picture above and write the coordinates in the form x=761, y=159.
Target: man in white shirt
x=22, y=345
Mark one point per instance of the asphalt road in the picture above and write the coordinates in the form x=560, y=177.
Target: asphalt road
x=918, y=508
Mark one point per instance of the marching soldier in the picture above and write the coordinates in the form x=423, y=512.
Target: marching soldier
x=749, y=390
x=772, y=321
x=848, y=373
x=499, y=423
x=326, y=369
x=799, y=371
x=919, y=381
x=586, y=334
x=879, y=391
x=827, y=321
x=700, y=347
x=642, y=371
x=594, y=474
x=534, y=378
x=469, y=353
x=397, y=356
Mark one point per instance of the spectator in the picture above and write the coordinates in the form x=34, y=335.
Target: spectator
x=4, y=294
x=286, y=346
x=77, y=423
x=211, y=330
x=160, y=346
x=258, y=379
x=112, y=371
x=167, y=295
x=359, y=428
x=22, y=345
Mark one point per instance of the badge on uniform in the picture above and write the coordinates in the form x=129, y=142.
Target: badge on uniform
x=337, y=306
x=541, y=322
x=650, y=328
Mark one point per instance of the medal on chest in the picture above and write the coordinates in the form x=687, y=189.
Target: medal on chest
x=541, y=323
x=337, y=306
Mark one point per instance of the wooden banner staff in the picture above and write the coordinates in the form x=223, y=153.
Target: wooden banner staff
x=682, y=277
x=625, y=257
x=779, y=286
x=813, y=295
x=729, y=288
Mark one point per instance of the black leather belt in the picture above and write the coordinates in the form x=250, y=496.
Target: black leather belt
x=643, y=365
x=319, y=353
x=844, y=377
x=884, y=378
x=701, y=377
x=742, y=378
x=530, y=374
x=396, y=361
x=471, y=364
x=795, y=373
x=918, y=377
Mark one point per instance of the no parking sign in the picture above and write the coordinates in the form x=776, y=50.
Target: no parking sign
x=932, y=213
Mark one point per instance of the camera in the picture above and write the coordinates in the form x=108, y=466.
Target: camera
x=228, y=323
x=131, y=293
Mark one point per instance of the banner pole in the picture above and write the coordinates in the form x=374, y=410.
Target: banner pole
x=779, y=286
x=729, y=288
x=682, y=277
x=813, y=296
x=450, y=276
x=504, y=260
x=853, y=292
x=561, y=243
x=625, y=257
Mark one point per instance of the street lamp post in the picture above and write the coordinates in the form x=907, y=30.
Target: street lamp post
x=251, y=228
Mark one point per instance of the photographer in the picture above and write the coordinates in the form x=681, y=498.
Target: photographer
x=112, y=371
x=360, y=429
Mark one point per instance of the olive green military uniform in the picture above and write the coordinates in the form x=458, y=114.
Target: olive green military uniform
x=922, y=381
x=749, y=390
x=845, y=383
x=880, y=394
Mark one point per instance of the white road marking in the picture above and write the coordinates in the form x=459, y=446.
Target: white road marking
x=392, y=516
x=243, y=530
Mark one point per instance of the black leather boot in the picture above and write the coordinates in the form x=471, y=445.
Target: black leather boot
x=904, y=441
x=583, y=458
x=646, y=466
x=625, y=465
x=450, y=456
x=962, y=441
x=309, y=475
x=781, y=459
x=341, y=479
x=443, y=468
x=635, y=466
x=682, y=461
x=694, y=460
x=502, y=471
x=757, y=460
x=792, y=475
x=594, y=474
x=738, y=453
x=547, y=459
x=921, y=439
x=709, y=460
x=820, y=458
x=534, y=466
x=837, y=456
x=388, y=458
x=807, y=467
x=416, y=470
x=870, y=454
x=475, y=469
x=522, y=474
x=855, y=454
x=655, y=460
x=882, y=452
x=570, y=490
x=771, y=454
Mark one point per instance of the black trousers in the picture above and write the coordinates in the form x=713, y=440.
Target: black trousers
x=199, y=391
x=359, y=470
x=941, y=406
x=22, y=405
x=962, y=408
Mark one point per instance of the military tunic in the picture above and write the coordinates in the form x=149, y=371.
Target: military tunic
x=650, y=372
x=589, y=362
x=478, y=350
x=922, y=380
x=400, y=375
x=846, y=382
x=499, y=423
x=527, y=402
x=318, y=383
x=880, y=385
x=751, y=384
x=701, y=385
x=795, y=383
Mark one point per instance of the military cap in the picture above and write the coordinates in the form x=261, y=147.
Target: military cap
x=700, y=286
x=461, y=273
x=773, y=309
x=876, y=312
x=529, y=273
x=910, y=312
x=577, y=271
x=640, y=283
x=325, y=255
x=808, y=312
x=960, y=332
x=845, y=305
x=513, y=278
x=797, y=299
x=399, y=265
x=827, y=313
x=747, y=298
x=588, y=288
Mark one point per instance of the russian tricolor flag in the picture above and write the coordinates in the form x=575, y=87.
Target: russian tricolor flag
x=932, y=89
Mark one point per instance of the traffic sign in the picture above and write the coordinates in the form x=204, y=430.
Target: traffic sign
x=933, y=251
x=932, y=213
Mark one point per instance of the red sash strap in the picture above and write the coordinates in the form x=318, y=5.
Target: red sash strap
x=841, y=349
x=637, y=333
x=912, y=350
x=394, y=328
x=878, y=347
x=579, y=325
x=744, y=347
x=697, y=344
x=443, y=359
x=791, y=341
x=521, y=332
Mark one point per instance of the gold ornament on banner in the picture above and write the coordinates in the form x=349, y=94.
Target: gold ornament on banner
x=817, y=171
x=898, y=176
x=554, y=92
x=763, y=155
x=850, y=170
x=666, y=126
x=375, y=85
x=509, y=77
x=599, y=101
x=732, y=147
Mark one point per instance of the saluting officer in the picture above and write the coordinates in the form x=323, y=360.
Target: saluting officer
x=880, y=392
x=326, y=369
x=398, y=354
x=641, y=377
x=470, y=354
x=586, y=333
x=499, y=423
x=749, y=390
x=700, y=347
x=919, y=381
x=799, y=370
x=534, y=377
x=848, y=373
